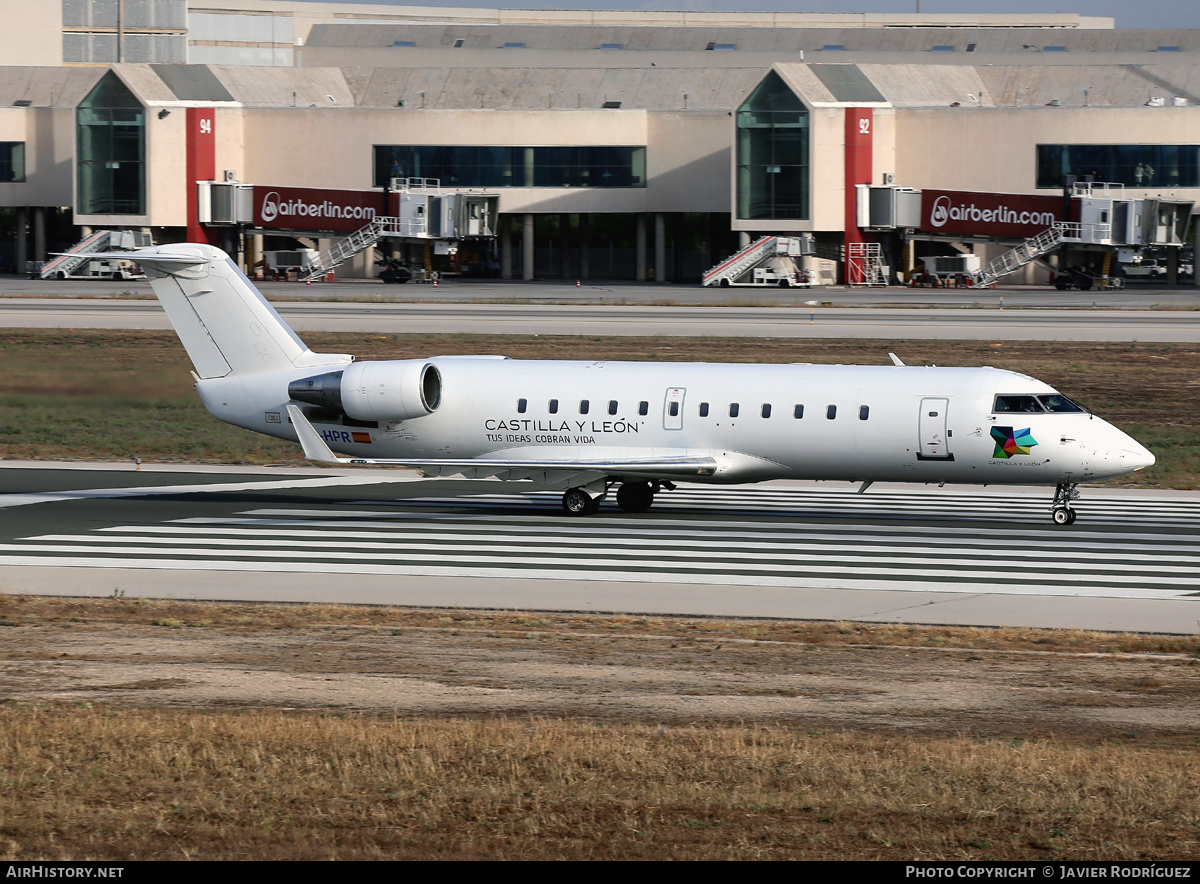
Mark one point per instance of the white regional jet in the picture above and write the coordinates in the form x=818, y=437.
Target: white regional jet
x=586, y=427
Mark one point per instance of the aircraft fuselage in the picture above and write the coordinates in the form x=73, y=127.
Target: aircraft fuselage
x=852, y=422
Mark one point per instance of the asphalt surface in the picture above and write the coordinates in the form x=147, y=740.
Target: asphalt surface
x=903, y=554
x=616, y=320
x=1138, y=295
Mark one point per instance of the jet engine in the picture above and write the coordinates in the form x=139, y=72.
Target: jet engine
x=375, y=391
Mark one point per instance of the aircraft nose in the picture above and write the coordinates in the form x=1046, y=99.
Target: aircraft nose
x=1136, y=457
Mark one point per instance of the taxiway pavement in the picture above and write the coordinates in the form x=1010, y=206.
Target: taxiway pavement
x=892, y=323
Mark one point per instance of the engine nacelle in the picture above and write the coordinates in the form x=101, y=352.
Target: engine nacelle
x=375, y=391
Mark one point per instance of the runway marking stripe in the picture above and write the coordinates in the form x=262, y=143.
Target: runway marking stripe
x=334, y=518
x=985, y=511
x=629, y=545
x=685, y=564
x=972, y=587
x=756, y=540
x=726, y=498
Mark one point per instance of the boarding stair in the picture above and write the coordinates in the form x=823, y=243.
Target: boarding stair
x=1036, y=246
x=381, y=226
x=738, y=267
x=362, y=239
x=1107, y=280
x=70, y=262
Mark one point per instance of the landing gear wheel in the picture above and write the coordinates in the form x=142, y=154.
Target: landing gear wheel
x=1061, y=509
x=635, y=497
x=578, y=502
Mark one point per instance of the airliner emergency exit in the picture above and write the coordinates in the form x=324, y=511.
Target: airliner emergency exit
x=590, y=427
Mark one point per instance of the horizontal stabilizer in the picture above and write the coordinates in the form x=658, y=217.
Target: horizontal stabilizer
x=147, y=258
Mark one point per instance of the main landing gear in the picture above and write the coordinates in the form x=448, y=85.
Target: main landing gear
x=632, y=497
x=578, y=502
x=1061, y=510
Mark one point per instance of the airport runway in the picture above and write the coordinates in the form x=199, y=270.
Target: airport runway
x=615, y=320
x=793, y=550
x=1137, y=296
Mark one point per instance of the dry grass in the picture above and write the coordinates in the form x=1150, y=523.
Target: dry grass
x=124, y=784
x=20, y=610
x=99, y=781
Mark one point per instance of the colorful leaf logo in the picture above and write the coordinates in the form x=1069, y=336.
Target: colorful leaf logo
x=1010, y=443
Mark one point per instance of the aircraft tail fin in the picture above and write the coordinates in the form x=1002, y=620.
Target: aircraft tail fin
x=224, y=322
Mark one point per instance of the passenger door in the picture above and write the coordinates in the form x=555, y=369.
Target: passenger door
x=934, y=442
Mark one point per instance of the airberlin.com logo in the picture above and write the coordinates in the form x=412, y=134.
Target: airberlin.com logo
x=270, y=207
x=944, y=211
x=274, y=207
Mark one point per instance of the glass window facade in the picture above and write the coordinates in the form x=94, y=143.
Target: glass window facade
x=1134, y=165
x=111, y=131
x=772, y=153
x=480, y=166
x=12, y=160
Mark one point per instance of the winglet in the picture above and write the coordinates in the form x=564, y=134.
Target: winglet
x=895, y=359
x=315, y=448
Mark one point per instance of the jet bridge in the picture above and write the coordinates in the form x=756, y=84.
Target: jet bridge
x=425, y=212
x=1107, y=219
x=1103, y=217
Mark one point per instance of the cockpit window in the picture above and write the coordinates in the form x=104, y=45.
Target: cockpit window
x=1057, y=402
x=1006, y=404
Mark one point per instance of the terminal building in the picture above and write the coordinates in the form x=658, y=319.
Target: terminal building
x=625, y=145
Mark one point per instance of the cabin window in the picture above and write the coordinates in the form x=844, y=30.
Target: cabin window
x=673, y=409
x=703, y=409
x=584, y=405
x=766, y=409
x=522, y=404
x=864, y=412
x=554, y=406
x=733, y=409
x=830, y=412
x=1006, y=404
x=797, y=411
x=612, y=406
x=643, y=408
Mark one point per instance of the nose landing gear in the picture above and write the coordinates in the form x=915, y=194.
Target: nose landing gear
x=1061, y=510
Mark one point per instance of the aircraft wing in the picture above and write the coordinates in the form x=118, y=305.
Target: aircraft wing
x=554, y=471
